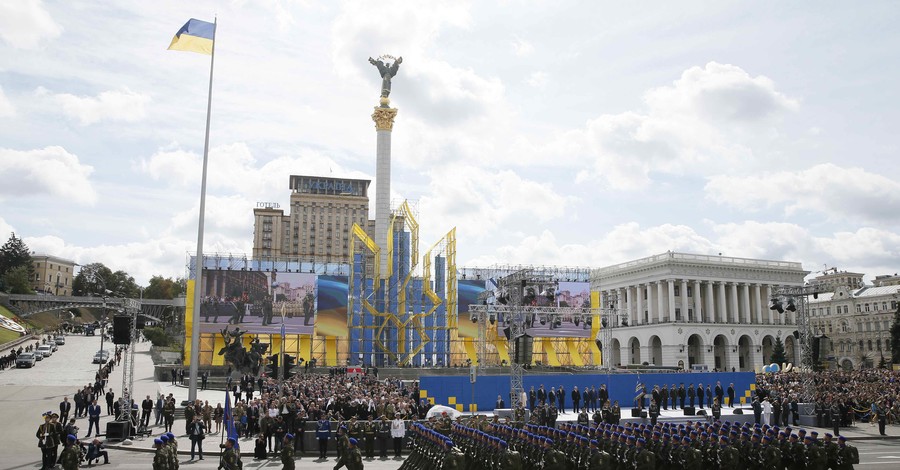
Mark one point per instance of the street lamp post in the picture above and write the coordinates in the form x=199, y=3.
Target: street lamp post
x=102, y=332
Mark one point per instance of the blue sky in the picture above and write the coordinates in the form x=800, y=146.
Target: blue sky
x=569, y=133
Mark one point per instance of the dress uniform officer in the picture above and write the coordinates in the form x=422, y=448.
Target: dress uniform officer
x=370, y=428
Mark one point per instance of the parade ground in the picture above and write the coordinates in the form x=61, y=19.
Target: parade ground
x=26, y=393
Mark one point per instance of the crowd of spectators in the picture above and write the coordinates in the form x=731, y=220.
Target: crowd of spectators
x=867, y=395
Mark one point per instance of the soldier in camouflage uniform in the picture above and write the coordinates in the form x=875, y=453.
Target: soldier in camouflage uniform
x=815, y=455
x=771, y=454
x=354, y=458
x=343, y=443
x=287, y=452
x=160, y=462
x=71, y=454
x=230, y=460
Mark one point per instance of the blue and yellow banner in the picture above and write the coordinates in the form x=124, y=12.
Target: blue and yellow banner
x=194, y=36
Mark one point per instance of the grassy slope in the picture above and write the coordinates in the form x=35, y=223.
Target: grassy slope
x=7, y=335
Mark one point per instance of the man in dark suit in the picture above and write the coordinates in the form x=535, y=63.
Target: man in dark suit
x=146, y=409
x=664, y=397
x=692, y=394
x=64, y=407
x=542, y=395
x=720, y=393
x=94, y=411
x=603, y=395
x=576, y=399
x=561, y=399
x=731, y=395
x=500, y=403
x=532, y=397
x=700, y=394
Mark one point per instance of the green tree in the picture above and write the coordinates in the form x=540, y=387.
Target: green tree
x=882, y=364
x=164, y=288
x=778, y=356
x=18, y=280
x=13, y=254
x=97, y=279
x=895, y=337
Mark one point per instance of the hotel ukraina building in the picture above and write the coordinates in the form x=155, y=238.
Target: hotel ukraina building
x=678, y=309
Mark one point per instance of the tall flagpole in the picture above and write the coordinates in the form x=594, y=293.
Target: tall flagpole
x=198, y=262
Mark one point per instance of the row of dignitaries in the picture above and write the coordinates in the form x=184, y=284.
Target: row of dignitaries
x=476, y=444
x=51, y=435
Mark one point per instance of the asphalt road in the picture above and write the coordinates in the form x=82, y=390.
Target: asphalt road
x=26, y=393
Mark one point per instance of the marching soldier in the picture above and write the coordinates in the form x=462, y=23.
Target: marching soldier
x=771, y=454
x=831, y=451
x=159, y=457
x=815, y=455
x=229, y=458
x=343, y=444
x=71, y=454
x=287, y=452
x=173, y=451
x=643, y=458
x=728, y=455
x=847, y=455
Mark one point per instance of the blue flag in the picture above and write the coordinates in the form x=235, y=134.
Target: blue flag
x=230, y=429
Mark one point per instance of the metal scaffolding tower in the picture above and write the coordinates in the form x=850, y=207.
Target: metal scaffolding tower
x=795, y=299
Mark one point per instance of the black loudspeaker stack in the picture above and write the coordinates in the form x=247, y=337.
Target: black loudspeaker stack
x=524, y=347
x=690, y=411
x=635, y=413
x=122, y=329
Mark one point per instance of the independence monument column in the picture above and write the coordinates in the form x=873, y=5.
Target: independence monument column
x=384, y=124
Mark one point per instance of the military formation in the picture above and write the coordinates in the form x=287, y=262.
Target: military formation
x=166, y=456
x=478, y=444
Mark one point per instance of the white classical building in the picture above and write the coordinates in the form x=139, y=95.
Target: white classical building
x=679, y=309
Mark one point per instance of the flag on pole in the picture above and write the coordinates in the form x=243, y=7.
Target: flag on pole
x=194, y=36
x=230, y=429
x=282, y=334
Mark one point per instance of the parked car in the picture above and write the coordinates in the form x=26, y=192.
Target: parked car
x=26, y=359
x=37, y=356
x=45, y=350
x=101, y=357
x=53, y=346
x=60, y=340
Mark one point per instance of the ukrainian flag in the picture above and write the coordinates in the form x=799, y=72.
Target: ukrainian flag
x=194, y=36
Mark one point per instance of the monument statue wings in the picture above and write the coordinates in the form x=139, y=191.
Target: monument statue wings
x=387, y=72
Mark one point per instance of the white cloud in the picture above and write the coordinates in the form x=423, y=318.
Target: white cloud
x=6, y=108
x=479, y=202
x=24, y=24
x=5, y=230
x=707, y=121
x=537, y=79
x=521, y=47
x=866, y=249
x=47, y=171
x=112, y=105
x=836, y=191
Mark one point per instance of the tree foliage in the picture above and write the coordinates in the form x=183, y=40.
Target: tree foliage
x=164, y=288
x=14, y=254
x=778, y=356
x=97, y=280
x=17, y=280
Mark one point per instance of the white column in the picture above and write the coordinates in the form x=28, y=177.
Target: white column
x=734, y=317
x=651, y=304
x=629, y=304
x=768, y=298
x=684, y=301
x=745, y=288
x=639, y=294
x=660, y=302
x=710, y=313
x=759, y=304
x=670, y=283
x=722, y=314
x=698, y=303
x=623, y=304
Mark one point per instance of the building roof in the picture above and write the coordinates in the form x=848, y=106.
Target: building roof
x=871, y=291
x=39, y=257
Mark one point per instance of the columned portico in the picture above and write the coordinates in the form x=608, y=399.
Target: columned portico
x=698, y=311
x=722, y=322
